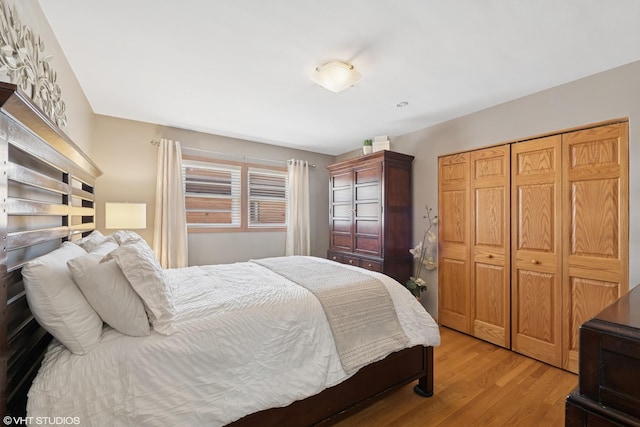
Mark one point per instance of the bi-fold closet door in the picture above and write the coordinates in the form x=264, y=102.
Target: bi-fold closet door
x=536, y=279
x=474, y=272
x=534, y=239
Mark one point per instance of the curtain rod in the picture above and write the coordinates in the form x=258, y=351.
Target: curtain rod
x=157, y=143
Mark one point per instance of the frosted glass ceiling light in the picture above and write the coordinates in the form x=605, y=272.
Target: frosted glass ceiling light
x=336, y=76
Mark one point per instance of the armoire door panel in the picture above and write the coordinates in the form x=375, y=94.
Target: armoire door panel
x=367, y=174
x=367, y=210
x=595, y=226
x=367, y=192
x=341, y=225
x=536, y=280
x=342, y=195
x=341, y=241
x=371, y=228
x=342, y=211
x=369, y=245
x=341, y=180
x=490, y=243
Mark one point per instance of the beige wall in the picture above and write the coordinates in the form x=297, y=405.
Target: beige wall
x=79, y=112
x=608, y=95
x=123, y=151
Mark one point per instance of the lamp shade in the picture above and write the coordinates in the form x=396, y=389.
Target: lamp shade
x=125, y=216
x=336, y=76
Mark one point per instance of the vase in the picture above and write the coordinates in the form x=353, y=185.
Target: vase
x=367, y=149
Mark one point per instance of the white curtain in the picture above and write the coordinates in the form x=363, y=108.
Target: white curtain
x=298, y=227
x=170, y=227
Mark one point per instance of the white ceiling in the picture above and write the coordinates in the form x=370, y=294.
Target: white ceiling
x=243, y=68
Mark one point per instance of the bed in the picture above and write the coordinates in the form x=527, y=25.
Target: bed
x=42, y=160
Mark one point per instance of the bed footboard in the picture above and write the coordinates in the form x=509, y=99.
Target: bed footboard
x=365, y=387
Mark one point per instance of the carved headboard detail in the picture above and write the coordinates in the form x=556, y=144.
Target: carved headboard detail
x=47, y=196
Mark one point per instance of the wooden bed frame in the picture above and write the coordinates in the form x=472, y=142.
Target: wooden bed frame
x=46, y=190
x=365, y=387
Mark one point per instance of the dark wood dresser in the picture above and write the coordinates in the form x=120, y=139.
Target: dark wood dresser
x=608, y=392
x=370, y=218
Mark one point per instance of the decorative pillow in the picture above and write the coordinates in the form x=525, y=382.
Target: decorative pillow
x=122, y=236
x=142, y=269
x=110, y=294
x=57, y=303
x=104, y=248
x=92, y=241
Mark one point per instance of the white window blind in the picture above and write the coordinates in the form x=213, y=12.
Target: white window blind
x=266, y=198
x=212, y=194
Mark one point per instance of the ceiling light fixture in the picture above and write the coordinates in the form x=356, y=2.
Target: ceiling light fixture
x=336, y=76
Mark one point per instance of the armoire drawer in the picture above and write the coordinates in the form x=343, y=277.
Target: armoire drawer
x=371, y=265
x=335, y=256
x=343, y=258
x=351, y=260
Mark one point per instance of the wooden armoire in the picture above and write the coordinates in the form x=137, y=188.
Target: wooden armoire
x=534, y=239
x=370, y=213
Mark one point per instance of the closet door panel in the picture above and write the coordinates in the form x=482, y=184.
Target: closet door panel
x=453, y=293
x=453, y=228
x=587, y=296
x=490, y=319
x=595, y=165
x=490, y=244
x=536, y=279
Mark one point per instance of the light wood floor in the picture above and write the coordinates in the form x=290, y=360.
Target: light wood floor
x=476, y=384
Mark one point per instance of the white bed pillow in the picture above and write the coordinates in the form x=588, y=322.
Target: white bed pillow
x=110, y=294
x=57, y=303
x=142, y=269
x=93, y=240
x=122, y=236
x=104, y=248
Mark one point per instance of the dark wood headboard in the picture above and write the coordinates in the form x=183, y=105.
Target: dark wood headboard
x=47, y=196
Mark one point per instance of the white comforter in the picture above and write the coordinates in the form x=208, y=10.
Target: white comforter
x=247, y=340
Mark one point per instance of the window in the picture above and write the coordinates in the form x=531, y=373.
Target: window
x=267, y=198
x=234, y=197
